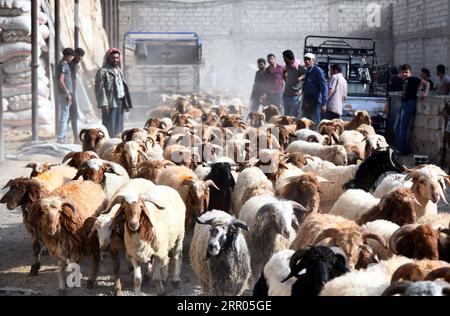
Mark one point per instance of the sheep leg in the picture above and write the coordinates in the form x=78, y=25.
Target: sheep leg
x=116, y=268
x=37, y=248
x=94, y=271
x=160, y=273
x=137, y=276
x=175, y=263
x=62, y=278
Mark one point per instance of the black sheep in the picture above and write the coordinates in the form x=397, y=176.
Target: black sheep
x=222, y=177
x=380, y=162
x=322, y=264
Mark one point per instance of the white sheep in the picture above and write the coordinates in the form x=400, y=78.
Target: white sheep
x=336, y=153
x=354, y=203
x=366, y=282
x=308, y=135
x=436, y=221
x=250, y=182
x=382, y=228
x=154, y=229
x=273, y=224
x=219, y=254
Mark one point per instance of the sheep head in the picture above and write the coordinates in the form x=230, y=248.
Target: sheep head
x=95, y=170
x=198, y=197
x=222, y=233
x=297, y=159
x=270, y=111
x=305, y=190
x=256, y=119
x=76, y=159
x=352, y=241
x=132, y=154
x=361, y=117
x=415, y=241
x=90, y=138
x=39, y=168
x=303, y=123
x=22, y=192
x=54, y=213
x=426, y=184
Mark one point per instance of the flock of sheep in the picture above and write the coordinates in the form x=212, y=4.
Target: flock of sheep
x=260, y=201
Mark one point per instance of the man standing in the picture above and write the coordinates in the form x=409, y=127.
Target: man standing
x=274, y=82
x=337, y=93
x=443, y=87
x=293, y=72
x=408, y=108
x=75, y=68
x=258, y=86
x=315, y=90
x=395, y=81
x=65, y=91
x=112, y=93
x=425, y=74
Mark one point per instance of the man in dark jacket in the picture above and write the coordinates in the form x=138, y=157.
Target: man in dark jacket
x=112, y=92
x=258, y=86
x=315, y=90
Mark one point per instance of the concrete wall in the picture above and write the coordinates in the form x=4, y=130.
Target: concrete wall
x=427, y=135
x=421, y=31
x=236, y=33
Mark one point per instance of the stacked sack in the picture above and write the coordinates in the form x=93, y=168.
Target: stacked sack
x=15, y=52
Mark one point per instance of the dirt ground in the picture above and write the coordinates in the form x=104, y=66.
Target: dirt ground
x=16, y=249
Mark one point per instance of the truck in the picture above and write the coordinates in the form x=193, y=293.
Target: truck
x=157, y=63
x=367, y=81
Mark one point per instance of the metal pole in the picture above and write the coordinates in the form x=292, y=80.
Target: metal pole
x=2, y=150
x=57, y=57
x=77, y=23
x=34, y=69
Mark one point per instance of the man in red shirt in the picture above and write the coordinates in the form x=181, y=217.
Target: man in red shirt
x=274, y=83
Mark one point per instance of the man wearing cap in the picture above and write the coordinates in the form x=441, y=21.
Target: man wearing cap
x=315, y=90
x=65, y=91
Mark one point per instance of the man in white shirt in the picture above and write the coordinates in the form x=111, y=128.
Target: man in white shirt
x=336, y=95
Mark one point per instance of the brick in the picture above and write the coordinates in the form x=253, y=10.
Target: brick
x=436, y=123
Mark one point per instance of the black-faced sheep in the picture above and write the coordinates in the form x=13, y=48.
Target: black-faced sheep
x=220, y=199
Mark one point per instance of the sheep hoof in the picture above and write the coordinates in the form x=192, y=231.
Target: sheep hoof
x=90, y=284
x=175, y=284
x=44, y=252
x=62, y=292
x=35, y=269
x=160, y=289
x=117, y=292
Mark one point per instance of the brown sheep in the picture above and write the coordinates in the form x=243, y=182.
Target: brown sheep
x=296, y=159
x=151, y=170
x=182, y=120
x=154, y=122
x=181, y=156
x=283, y=120
x=77, y=158
x=24, y=192
x=233, y=121
x=65, y=220
x=303, y=123
x=93, y=139
x=271, y=162
x=156, y=136
x=129, y=155
x=211, y=119
x=256, y=119
x=286, y=136
x=39, y=168
x=303, y=189
x=161, y=112
x=194, y=192
x=270, y=111
x=344, y=233
x=417, y=270
x=360, y=118
x=397, y=207
x=416, y=242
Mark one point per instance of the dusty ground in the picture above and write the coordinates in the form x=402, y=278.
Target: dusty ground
x=16, y=251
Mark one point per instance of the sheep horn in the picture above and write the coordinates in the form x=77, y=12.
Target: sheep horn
x=210, y=183
x=118, y=200
x=442, y=273
x=328, y=233
x=391, y=152
x=300, y=211
x=101, y=133
x=400, y=233
x=293, y=264
x=377, y=238
x=82, y=132
x=71, y=206
x=208, y=222
x=10, y=183
x=445, y=231
x=442, y=194
x=69, y=156
x=339, y=251
x=239, y=224
x=396, y=288
x=143, y=154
